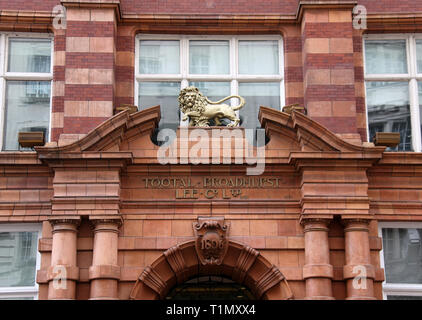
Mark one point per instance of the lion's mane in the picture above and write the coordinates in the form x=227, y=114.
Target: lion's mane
x=199, y=104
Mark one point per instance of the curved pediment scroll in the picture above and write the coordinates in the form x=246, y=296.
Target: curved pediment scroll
x=311, y=135
x=109, y=135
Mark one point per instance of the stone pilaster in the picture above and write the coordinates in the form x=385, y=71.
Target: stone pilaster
x=358, y=271
x=63, y=272
x=89, y=73
x=317, y=271
x=328, y=65
x=105, y=271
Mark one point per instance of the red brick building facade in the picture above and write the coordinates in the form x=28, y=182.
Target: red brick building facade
x=111, y=222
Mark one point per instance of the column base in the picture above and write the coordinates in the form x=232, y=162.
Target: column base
x=319, y=298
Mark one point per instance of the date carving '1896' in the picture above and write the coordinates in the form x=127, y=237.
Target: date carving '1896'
x=211, y=239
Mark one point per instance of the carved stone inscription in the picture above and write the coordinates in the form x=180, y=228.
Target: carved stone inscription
x=212, y=187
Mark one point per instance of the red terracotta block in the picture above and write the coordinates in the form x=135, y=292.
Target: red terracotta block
x=263, y=227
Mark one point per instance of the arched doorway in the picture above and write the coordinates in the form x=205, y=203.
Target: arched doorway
x=210, y=288
x=242, y=265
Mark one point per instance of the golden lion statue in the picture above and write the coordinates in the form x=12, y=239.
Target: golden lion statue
x=200, y=110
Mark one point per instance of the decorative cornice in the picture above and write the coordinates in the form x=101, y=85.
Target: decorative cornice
x=323, y=4
x=404, y=159
x=95, y=4
x=394, y=22
x=377, y=21
x=19, y=158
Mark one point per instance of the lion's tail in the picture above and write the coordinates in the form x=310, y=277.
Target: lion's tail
x=239, y=106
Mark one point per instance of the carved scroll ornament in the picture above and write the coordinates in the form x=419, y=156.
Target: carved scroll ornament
x=211, y=242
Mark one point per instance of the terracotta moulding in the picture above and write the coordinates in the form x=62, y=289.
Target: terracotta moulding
x=104, y=273
x=317, y=271
x=358, y=272
x=63, y=272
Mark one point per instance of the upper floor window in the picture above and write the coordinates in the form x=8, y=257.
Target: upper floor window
x=401, y=258
x=25, y=86
x=393, y=79
x=19, y=261
x=218, y=66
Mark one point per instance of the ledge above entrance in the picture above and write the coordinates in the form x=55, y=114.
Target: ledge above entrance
x=128, y=136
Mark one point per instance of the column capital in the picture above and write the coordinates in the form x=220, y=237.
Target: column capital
x=356, y=224
x=112, y=223
x=64, y=223
x=315, y=224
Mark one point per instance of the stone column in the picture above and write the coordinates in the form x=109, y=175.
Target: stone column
x=105, y=271
x=358, y=271
x=63, y=272
x=317, y=270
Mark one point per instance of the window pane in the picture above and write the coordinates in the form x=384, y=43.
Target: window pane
x=29, y=55
x=18, y=255
x=402, y=255
x=159, y=57
x=419, y=54
x=17, y=298
x=164, y=94
x=213, y=90
x=404, y=298
x=258, y=57
x=389, y=110
x=27, y=110
x=385, y=56
x=209, y=57
x=420, y=101
x=256, y=95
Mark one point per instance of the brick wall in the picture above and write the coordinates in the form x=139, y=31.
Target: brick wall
x=328, y=68
x=216, y=6
x=125, y=70
x=89, y=70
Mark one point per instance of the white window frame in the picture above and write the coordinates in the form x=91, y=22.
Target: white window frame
x=398, y=289
x=412, y=77
x=5, y=76
x=233, y=77
x=29, y=291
